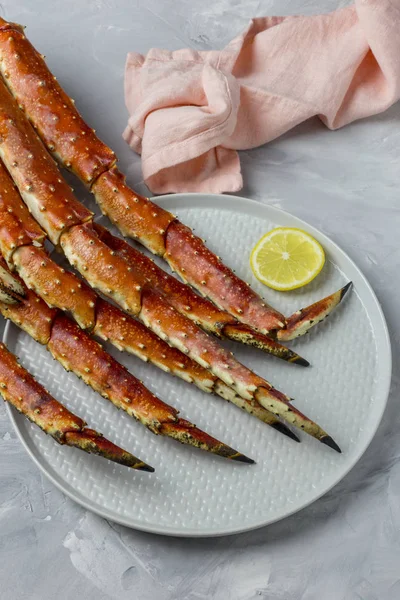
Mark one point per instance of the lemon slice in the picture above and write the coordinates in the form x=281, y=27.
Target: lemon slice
x=287, y=258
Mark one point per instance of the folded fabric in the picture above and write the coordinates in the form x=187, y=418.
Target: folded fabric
x=190, y=111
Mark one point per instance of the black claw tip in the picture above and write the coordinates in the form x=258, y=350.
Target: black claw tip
x=331, y=443
x=242, y=458
x=144, y=467
x=282, y=428
x=345, y=289
x=299, y=360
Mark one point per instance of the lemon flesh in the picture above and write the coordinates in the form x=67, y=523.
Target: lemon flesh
x=287, y=258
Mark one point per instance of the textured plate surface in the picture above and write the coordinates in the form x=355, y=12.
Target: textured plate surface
x=192, y=493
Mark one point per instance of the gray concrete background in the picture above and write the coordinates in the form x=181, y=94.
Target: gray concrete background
x=346, y=546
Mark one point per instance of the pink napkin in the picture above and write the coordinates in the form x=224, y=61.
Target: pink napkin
x=190, y=111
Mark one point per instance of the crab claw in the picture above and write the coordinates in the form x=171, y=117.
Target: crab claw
x=93, y=442
x=240, y=332
x=281, y=406
x=187, y=433
x=11, y=291
x=253, y=408
x=304, y=319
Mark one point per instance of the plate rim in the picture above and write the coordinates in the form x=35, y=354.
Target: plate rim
x=383, y=392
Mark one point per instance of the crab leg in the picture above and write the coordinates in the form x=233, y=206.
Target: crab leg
x=69, y=224
x=65, y=291
x=21, y=390
x=76, y=351
x=302, y=320
x=202, y=311
x=77, y=148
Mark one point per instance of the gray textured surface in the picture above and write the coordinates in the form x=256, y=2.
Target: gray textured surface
x=346, y=545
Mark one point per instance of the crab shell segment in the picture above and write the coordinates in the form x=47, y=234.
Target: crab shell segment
x=280, y=405
x=93, y=442
x=17, y=226
x=131, y=336
x=31, y=314
x=113, y=381
x=55, y=285
x=37, y=91
x=135, y=215
x=167, y=323
x=209, y=276
x=105, y=375
x=101, y=267
x=183, y=431
x=180, y=296
x=19, y=388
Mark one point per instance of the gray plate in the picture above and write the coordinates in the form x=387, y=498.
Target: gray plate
x=193, y=493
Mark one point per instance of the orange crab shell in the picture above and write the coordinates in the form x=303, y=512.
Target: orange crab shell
x=17, y=226
x=61, y=126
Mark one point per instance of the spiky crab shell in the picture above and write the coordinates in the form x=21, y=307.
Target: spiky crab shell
x=31, y=314
x=76, y=351
x=17, y=227
x=167, y=323
x=44, y=191
x=93, y=442
x=39, y=94
x=67, y=136
x=180, y=296
x=102, y=268
x=131, y=336
x=200, y=310
x=55, y=285
x=63, y=290
x=19, y=388
x=135, y=215
x=79, y=353
x=188, y=255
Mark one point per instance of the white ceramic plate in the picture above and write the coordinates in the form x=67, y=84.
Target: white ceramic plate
x=193, y=493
